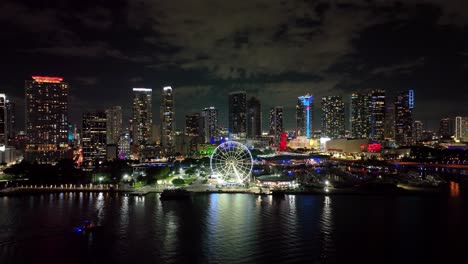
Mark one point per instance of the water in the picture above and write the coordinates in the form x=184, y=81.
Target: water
x=234, y=228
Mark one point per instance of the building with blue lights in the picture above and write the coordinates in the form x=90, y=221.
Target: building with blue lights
x=304, y=115
x=404, y=104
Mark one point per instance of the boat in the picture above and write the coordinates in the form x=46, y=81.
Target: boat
x=88, y=227
x=174, y=194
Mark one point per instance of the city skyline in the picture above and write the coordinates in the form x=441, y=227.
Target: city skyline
x=419, y=45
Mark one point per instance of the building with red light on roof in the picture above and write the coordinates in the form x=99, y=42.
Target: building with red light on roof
x=46, y=118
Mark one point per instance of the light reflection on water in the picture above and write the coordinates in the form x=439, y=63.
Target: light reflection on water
x=226, y=228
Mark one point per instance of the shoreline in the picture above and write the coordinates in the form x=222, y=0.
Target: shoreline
x=280, y=192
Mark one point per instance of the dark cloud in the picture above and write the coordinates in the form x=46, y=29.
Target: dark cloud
x=274, y=49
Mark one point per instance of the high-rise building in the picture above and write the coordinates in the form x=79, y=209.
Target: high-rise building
x=124, y=150
x=404, y=103
x=142, y=121
x=3, y=121
x=418, y=130
x=238, y=114
x=389, y=125
x=167, y=120
x=333, y=117
x=46, y=118
x=10, y=119
x=304, y=115
x=94, y=138
x=377, y=114
x=462, y=128
x=360, y=116
x=445, y=128
x=114, y=124
x=193, y=124
x=210, y=124
x=276, y=122
x=254, y=118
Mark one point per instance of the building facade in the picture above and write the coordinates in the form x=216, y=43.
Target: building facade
x=404, y=105
x=94, y=138
x=238, y=114
x=10, y=120
x=46, y=118
x=276, y=122
x=377, y=114
x=114, y=124
x=210, y=124
x=360, y=115
x=304, y=115
x=461, y=128
x=3, y=122
x=333, y=117
x=254, y=118
x=418, y=131
x=193, y=124
x=445, y=128
x=167, y=118
x=142, y=121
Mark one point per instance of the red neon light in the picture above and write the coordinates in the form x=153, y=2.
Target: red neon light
x=283, y=146
x=374, y=147
x=47, y=79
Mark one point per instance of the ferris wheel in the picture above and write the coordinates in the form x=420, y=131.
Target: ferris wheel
x=231, y=162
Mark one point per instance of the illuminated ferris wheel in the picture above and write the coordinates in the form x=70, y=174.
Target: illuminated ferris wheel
x=231, y=162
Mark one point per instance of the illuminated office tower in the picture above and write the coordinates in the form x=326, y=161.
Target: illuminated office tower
x=304, y=114
x=445, y=128
x=167, y=120
x=142, y=121
x=114, y=124
x=389, y=125
x=192, y=124
x=123, y=149
x=94, y=138
x=254, y=118
x=46, y=118
x=404, y=104
x=461, y=128
x=210, y=124
x=238, y=114
x=276, y=122
x=3, y=121
x=418, y=130
x=360, y=116
x=333, y=117
x=377, y=114
x=10, y=119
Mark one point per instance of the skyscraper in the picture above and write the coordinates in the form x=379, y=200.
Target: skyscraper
x=360, y=115
x=94, y=137
x=210, y=123
x=304, y=115
x=10, y=119
x=46, y=118
x=333, y=117
x=418, y=130
x=142, y=121
x=238, y=114
x=167, y=120
x=461, y=128
x=377, y=114
x=276, y=122
x=404, y=118
x=389, y=125
x=3, y=121
x=445, y=128
x=192, y=124
x=254, y=118
x=114, y=124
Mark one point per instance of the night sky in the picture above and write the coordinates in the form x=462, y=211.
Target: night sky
x=204, y=49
